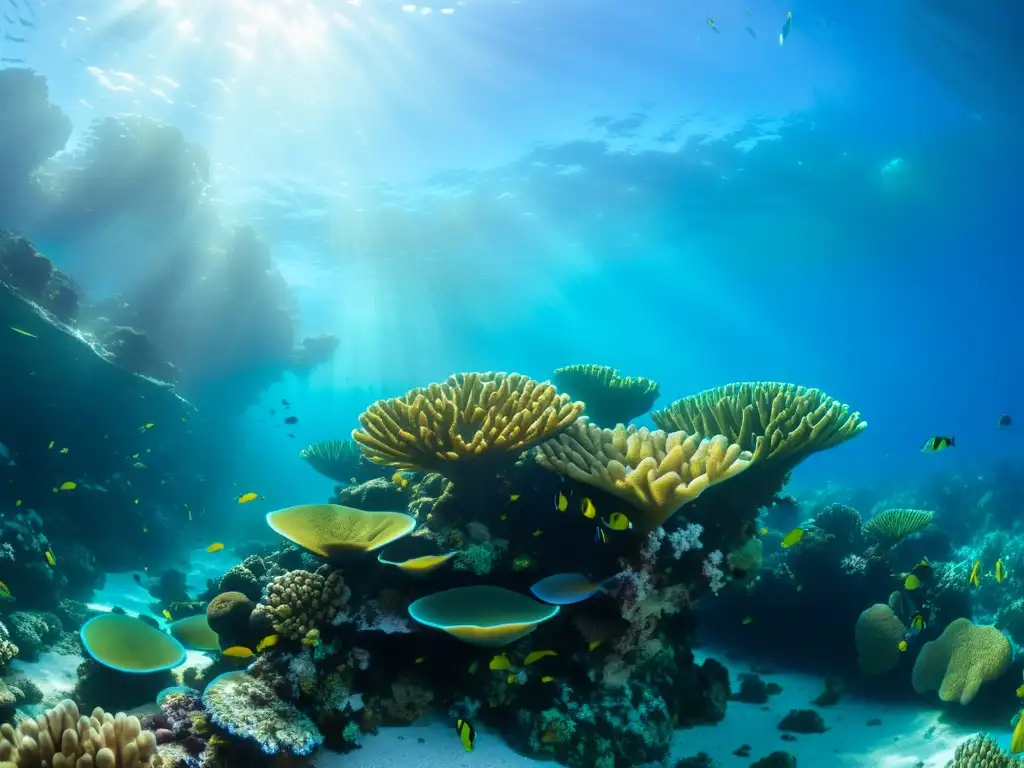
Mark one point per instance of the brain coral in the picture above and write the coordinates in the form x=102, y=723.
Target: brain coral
x=877, y=636
x=250, y=709
x=60, y=738
x=959, y=660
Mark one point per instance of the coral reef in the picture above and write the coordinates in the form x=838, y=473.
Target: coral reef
x=300, y=603
x=960, y=660
x=894, y=525
x=341, y=461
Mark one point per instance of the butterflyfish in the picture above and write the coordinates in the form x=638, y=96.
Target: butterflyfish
x=166, y=614
x=68, y=486
x=587, y=508
x=600, y=535
x=911, y=583
x=467, y=735
x=537, y=656
x=902, y=646
x=567, y=588
x=267, y=642
x=4, y=590
x=514, y=497
x=64, y=451
x=215, y=547
x=547, y=679
x=975, y=578
x=618, y=522
x=936, y=444
x=239, y=652
x=561, y=502
x=1000, y=573
x=50, y=559
x=245, y=498
x=592, y=645
x=793, y=537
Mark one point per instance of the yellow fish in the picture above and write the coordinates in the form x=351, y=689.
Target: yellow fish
x=50, y=446
x=513, y=679
x=561, y=502
x=399, y=479
x=547, y=679
x=618, y=522
x=17, y=503
x=419, y=659
x=215, y=547
x=50, y=559
x=917, y=623
x=748, y=620
x=136, y=501
x=4, y=591
x=267, y=642
x=239, y=652
x=167, y=615
x=514, y=497
x=587, y=508
x=1000, y=571
x=24, y=333
x=537, y=533
x=68, y=486
x=592, y=645
x=975, y=578
x=793, y=537
x=936, y=444
x=537, y=656
x=466, y=734
x=64, y=450
x=902, y=646
x=1017, y=740
x=764, y=531
x=1020, y=691
x=500, y=662
x=911, y=582
x=245, y=498
x=144, y=427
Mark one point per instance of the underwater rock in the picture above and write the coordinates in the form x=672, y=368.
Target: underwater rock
x=700, y=760
x=33, y=633
x=742, y=751
x=229, y=615
x=803, y=721
x=752, y=690
x=833, y=691
x=776, y=760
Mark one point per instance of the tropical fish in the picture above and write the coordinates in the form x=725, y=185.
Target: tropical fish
x=144, y=427
x=1017, y=739
x=499, y=662
x=903, y=646
x=1005, y=420
x=514, y=679
x=793, y=537
x=292, y=420
x=918, y=624
x=50, y=559
x=592, y=645
x=215, y=547
x=618, y=522
x=711, y=24
x=238, y=652
x=245, y=498
x=936, y=444
x=68, y=486
x=537, y=656
x=975, y=578
x=1020, y=691
x=537, y=533
x=600, y=535
x=764, y=531
x=420, y=659
x=267, y=642
x=50, y=446
x=587, y=508
x=547, y=679
x=24, y=333
x=1000, y=572
x=561, y=502
x=467, y=735
x=513, y=497
x=399, y=479
x=166, y=614
x=64, y=451
x=4, y=590
x=523, y=563
x=786, y=27
x=748, y=620
x=911, y=583
x=568, y=588
x=17, y=503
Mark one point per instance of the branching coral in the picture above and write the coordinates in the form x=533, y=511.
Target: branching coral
x=610, y=398
x=656, y=472
x=893, y=525
x=770, y=419
x=339, y=460
x=962, y=658
x=471, y=417
x=61, y=739
x=300, y=602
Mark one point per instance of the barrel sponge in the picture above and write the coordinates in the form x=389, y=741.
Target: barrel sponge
x=331, y=529
x=655, y=471
x=299, y=601
x=893, y=525
x=472, y=417
x=60, y=738
x=609, y=398
x=877, y=637
x=249, y=708
x=959, y=660
x=772, y=420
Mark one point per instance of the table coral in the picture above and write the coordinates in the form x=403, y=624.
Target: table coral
x=610, y=399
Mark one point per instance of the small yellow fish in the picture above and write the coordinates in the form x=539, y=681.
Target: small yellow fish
x=1020, y=691
x=50, y=446
x=167, y=615
x=499, y=662
x=561, y=502
x=1017, y=739
x=138, y=465
x=215, y=547
x=975, y=578
x=24, y=333
x=936, y=444
x=245, y=498
x=748, y=620
x=4, y=591
x=50, y=559
x=537, y=656
x=399, y=479
x=618, y=522
x=239, y=652
x=1000, y=572
x=547, y=679
x=902, y=646
x=911, y=582
x=267, y=642
x=467, y=735
x=793, y=537
x=587, y=508
x=764, y=531
x=514, y=497
x=592, y=645
x=513, y=679
x=64, y=451
x=136, y=501
x=144, y=427
x=136, y=455
x=917, y=623
x=419, y=659
x=68, y=486
x=537, y=533
x=17, y=503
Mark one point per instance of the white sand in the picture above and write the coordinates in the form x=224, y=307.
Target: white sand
x=54, y=673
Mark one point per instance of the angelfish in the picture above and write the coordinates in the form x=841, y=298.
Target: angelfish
x=786, y=27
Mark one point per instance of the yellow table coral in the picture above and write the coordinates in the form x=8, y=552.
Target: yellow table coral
x=329, y=530
x=770, y=419
x=959, y=660
x=655, y=471
x=471, y=416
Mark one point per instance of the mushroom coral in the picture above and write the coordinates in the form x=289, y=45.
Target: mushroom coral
x=610, y=399
x=772, y=420
x=195, y=633
x=127, y=644
x=471, y=418
x=60, y=738
x=482, y=615
x=656, y=472
x=329, y=530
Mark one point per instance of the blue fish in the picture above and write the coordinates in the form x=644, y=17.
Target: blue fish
x=568, y=588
